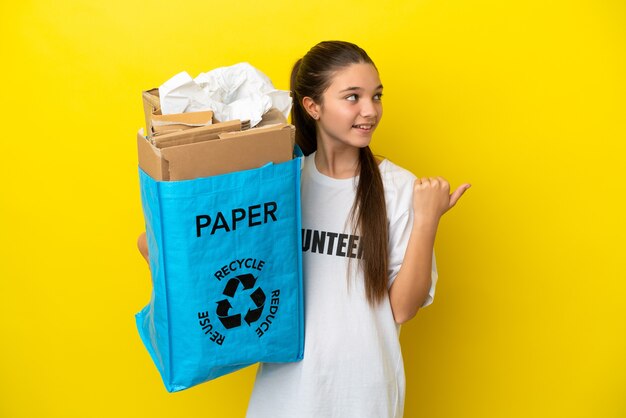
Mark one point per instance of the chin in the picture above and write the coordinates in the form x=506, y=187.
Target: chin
x=359, y=145
x=362, y=141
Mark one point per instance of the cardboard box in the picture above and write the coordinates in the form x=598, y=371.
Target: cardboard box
x=229, y=151
x=157, y=124
x=151, y=106
x=199, y=134
x=163, y=124
x=210, y=150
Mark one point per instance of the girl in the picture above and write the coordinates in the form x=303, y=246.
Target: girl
x=368, y=230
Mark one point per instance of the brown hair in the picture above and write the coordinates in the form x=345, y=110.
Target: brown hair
x=310, y=77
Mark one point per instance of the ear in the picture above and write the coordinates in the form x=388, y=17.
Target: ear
x=312, y=108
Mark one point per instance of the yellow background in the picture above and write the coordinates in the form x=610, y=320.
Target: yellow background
x=524, y=99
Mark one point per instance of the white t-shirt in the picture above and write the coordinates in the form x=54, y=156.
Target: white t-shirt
x=352, y=364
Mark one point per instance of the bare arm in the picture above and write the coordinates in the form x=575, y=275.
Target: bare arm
x=142, y=245
x=431, y=199
x=410, y=288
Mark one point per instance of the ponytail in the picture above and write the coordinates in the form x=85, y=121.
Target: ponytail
x=369, y=215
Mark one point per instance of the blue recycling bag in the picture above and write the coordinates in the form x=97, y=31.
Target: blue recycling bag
x=226, y=263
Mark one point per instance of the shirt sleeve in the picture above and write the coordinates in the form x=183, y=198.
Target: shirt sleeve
x=399, y=233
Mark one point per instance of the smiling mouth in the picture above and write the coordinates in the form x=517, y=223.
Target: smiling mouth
x=364, y=127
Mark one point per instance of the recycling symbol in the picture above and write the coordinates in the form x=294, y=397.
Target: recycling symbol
x=232, y=320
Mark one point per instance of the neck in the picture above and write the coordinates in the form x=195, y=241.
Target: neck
x=337, y=162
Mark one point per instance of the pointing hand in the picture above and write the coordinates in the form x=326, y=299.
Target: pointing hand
x=432, y=198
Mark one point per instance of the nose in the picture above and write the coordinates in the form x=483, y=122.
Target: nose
x=370, y=108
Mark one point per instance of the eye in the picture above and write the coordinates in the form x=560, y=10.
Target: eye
x=352, y=98
x=378, y=96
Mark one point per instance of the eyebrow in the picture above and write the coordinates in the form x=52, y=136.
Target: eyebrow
x=359, y=88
